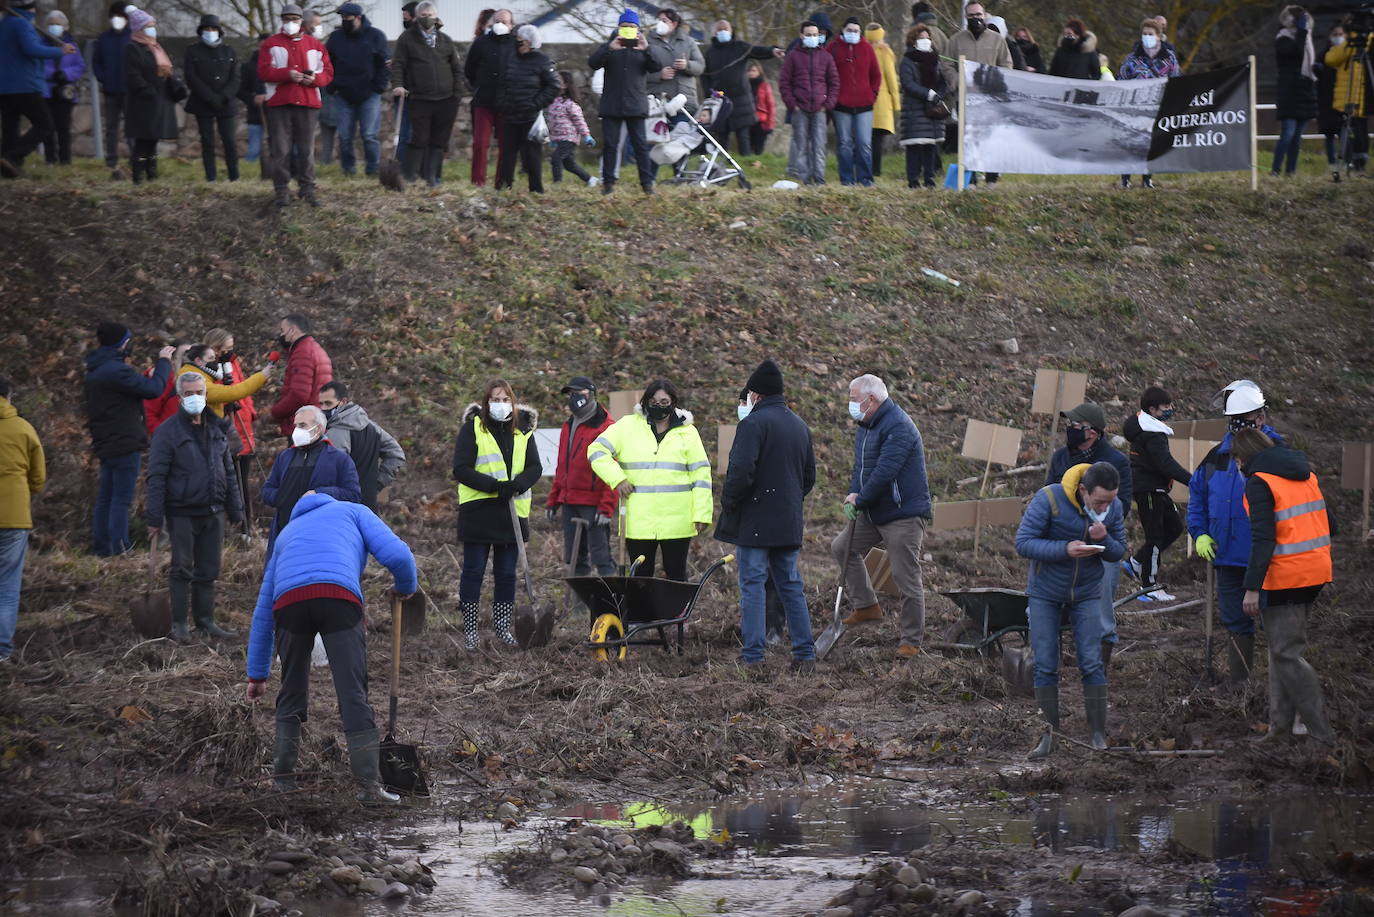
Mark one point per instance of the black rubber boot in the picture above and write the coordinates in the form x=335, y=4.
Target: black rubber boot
x=150, y=167
x=1047, y=696
x=364, y=759
x=1095, y=706
x=203, y=611
x=501, y=614
x=472, y=614
x=136, y=169
x=286, y=751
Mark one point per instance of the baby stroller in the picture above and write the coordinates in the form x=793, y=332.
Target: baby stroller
x=692, y=138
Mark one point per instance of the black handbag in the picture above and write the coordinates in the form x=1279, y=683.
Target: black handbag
x=177, y=90
x=936, y=109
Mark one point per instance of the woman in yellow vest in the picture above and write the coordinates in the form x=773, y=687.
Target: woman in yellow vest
x=655, y=458
x=494, y=461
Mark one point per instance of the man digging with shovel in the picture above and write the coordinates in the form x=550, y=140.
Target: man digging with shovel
x=311, y=586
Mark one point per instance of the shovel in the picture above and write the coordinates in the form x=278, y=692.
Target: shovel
x=533, y=622
x=579, y=528
x=831, y=635
x=400, y=764
x=390, y=172
x=151, y=612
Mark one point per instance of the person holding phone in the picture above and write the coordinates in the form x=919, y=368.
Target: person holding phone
x=628, y=61
x=1068, y=531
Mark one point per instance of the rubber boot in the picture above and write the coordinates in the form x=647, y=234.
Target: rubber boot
x=1047, y=696
x=178, y=594
x=150, y=167
x=471, y=617
x=136, y=169
x=364, y=759
x=1240, y=656
x=286, y=751
x=1291, y=675
x=282, y=198
x=203, y=611
x=1095, y=706
x=501, y=614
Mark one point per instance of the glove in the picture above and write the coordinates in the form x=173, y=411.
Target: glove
x=851, y=512
x=603, y=519
x=1206, y=547
x=505, y=490
x=931, y=95
x=589, y=140
x=551, y=513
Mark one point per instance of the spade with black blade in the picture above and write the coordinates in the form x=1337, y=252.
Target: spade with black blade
x=533, y=622
x=831, y=635
x=400, y=764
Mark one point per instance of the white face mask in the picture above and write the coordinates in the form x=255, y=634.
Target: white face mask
x=1093, y=514
x=291, y=28
x=151, y=31
x=663, y=28
x=210, y=38
x=301, y=437
x=923, y=44
x=856, y=410
x=118, y=23
x=851, y=38
x=811, y=41
x=193, y=404
x=1337, y=40
x=318, y=31
x=500, y=410
x=723, y=35
x=1148, y=41
x=500, y=28
x=743, y=410
x=55, y=30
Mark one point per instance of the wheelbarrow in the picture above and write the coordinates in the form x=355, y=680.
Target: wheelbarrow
x=630, y=611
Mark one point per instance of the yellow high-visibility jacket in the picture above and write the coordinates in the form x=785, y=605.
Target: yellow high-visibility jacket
x=1350, y=86
x=672, y=478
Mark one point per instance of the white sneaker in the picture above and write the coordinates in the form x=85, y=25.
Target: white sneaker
x=593, y=182
x=1159, y=595
x=1132, y=567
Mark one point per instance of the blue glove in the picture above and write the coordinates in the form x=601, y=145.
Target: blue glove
x=589, y=140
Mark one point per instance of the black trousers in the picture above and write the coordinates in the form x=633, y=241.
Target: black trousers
x=242, y=464
x=565, y=157
x=197, y=544
x=1162, y=524
x=57, y=148
x=757, y=138
x=431, y=127
x=516, y=145
x=227, y=127
x=595, y=550
x=114, y=113
x=14, y=146
x=340, y=626
x=741, y=135
x=920, y=164
x=879, y=138
x=611, y=129
x=674, y=556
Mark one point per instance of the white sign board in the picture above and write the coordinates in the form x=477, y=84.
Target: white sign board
x=547, y=442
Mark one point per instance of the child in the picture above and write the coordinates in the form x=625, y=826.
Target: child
x=1153, y=469
x=566, y=127
x=765, y=108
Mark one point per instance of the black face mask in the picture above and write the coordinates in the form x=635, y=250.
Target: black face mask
x=329, y=414
x=228, y=356
x=659, y=412
x=1236, y=424
x=580, y=405
x=1076, y=437
x=976, y=26
x=282, y=341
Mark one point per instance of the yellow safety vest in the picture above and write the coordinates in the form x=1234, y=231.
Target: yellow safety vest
x=490, y=461
x=672, y=478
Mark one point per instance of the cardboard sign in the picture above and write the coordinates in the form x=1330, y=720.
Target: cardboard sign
x=1208, y=428
x=546, y=441
x=1056, y=390
x=880, y=571
x=1357, y=465
x=1189, y=453
x=967, y=514
x=725, y=439
x=990, y=442
x=622, y=404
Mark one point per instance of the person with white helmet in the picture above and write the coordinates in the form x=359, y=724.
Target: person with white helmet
x=1218, y=523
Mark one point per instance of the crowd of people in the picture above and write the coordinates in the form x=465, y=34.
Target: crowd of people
x=302, y=84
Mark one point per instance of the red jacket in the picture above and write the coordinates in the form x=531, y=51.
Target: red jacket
x=574, y=482
x=156, y=410
x=860, y=78
x=765, y=108
x=281, y=54
x=307, y=368
x=246, y=413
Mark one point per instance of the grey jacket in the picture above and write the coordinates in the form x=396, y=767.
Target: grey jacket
x=678, y=44
x=351, y=418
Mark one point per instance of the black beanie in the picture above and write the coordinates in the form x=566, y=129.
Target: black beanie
x=767, y=379
x=111, y=334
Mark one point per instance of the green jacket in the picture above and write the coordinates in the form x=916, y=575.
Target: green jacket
x=430, y=74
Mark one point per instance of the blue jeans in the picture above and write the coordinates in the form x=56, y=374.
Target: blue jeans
x=1230, y=595
x=110, y=524
x=1111, y=576
x=854, y=136
x=13, y=544
x=1086, y=619
x=254, y=143
x=366, y=117
x=754, y=566
x=504, y=557
x=1290, y=142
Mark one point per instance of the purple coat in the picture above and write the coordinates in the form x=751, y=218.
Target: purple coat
x=72, y=68
x=809, y=81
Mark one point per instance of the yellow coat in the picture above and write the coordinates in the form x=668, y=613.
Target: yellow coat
x=672, y=478
x=889, y=100
x=1349, y=79
x=22, y=469
x=217, y=395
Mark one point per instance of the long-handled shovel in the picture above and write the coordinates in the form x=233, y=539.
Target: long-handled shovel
x=151, y=612
x=831, y=635
x=400, y=764
x=533, y=623
x=390, y=172
x=579, y=531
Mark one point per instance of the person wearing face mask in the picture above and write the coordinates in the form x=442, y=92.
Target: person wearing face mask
x=889, y=504
x=154, y=92
x=1351, y=89
x=495, y=464
x=1330, y=121
x=23, y=51
x=923, y=83
x=212, y=74
x=1030, y=51
x=888, y=105
x=1148, y=60
x=1219, y=524
x=375, y=452
x=222, y=391
x=191, y=486
x=626, y=62
x=23, y=472
x=577, y=494
x=1072, y=531
x=484, y=68
x=861, y=81
x=726, y=58
x=772, y=469
x=1153, y=469
x=531, y=83
x=810, y=86
x=63, y=77
x=922, y=14
x=655, y=460
x=310, y=465
x=361, y=76
x=308, y=368
x=1075, y=57
x=107, y=62
x=426, y=72
x=241, y=413
x=980, y=45
x=671, y=40
x=1085, y=435
x=293, y=66
x=1295, y=85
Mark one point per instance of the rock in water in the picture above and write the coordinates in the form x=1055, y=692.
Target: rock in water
x=583, y=874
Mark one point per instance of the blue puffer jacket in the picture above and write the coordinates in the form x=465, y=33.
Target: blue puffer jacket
x=327, y=542
x=22, y=53
x=1052, y=520
x=890, y=467
x=1216, y=503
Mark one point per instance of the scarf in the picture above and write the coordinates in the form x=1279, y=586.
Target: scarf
x=432, y=36
x=164, y=63
x=1309, y=56
x=928, y=65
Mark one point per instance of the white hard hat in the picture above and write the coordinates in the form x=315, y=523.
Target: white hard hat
x=1243, y=400
x=1220, y=398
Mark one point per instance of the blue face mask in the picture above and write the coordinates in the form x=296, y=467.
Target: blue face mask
x=742, y=411
x=856, y=410
x=55, y=30
x=1166, y=414
x=811, y=41
x=723, y=35
x=210, y=38
x=851, y=38
x=1092, y=514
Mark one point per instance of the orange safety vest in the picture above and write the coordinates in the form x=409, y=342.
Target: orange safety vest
x=1302, y=534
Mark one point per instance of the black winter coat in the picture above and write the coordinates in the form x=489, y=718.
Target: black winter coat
x=1153, y=466
x=212, y=75
x=1295, y=95
x=772, y=469
x=1063, y=460
x=250, y=84
x=115, y=393
x=531, y=83
x=190, y=471
x=1077, y=59
x=624, y=93
x=1030, y=53
x=360, y=63
x=914, y=121
x=1329, y=120
x=727, y=68
x=485, y=67
x=488, y=521
x=150, y=108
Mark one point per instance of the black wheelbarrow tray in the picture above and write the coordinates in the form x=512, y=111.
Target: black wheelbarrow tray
x=637, y=610
x=991, y=613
